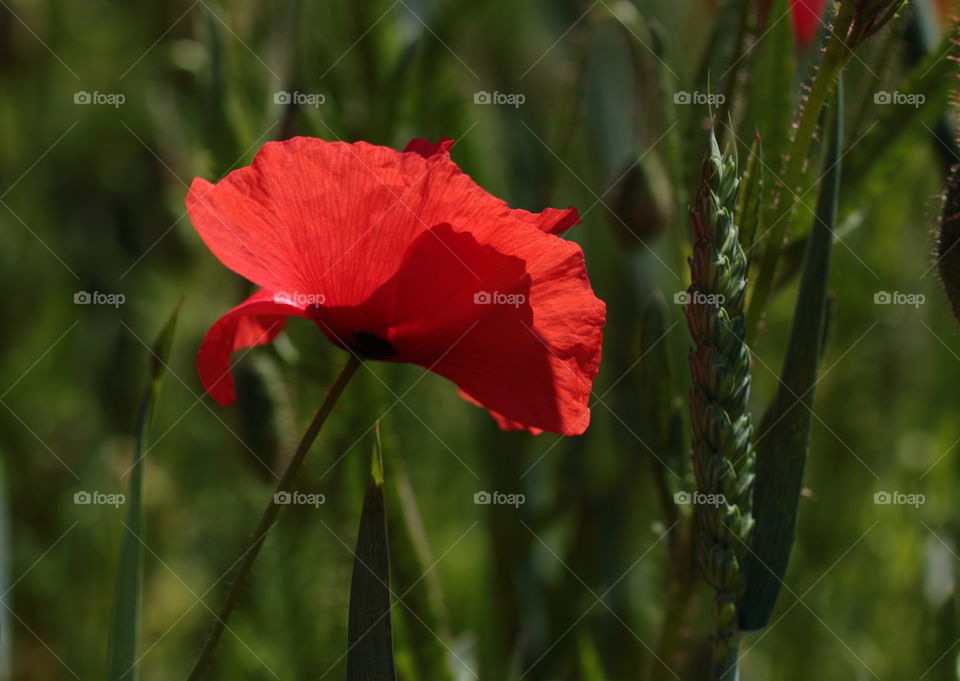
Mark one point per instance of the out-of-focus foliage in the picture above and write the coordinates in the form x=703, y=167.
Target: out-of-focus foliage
x=578, y=581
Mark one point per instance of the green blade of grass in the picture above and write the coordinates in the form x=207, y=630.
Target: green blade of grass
x=124, y=632
x=369, y=633
x=834, y=59
x=771, y=71
x=750, y=201
x=411, y=562
x=784, y=436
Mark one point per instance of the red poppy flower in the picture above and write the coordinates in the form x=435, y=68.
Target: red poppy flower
x=401, y=257
x=806, y=19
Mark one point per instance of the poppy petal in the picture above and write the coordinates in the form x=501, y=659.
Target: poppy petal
x=498, y=325
x=256, y=321
x=551, y=220
x=426, y=148
x=562, y=346
x=325, y=218
x=510, y=355
x=806, y=20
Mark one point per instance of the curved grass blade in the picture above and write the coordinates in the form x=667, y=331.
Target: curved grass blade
x=369, y=633
x=770, y=93
x=122, y=649
x=750, y=201
x=784, y=438
x=417, y=582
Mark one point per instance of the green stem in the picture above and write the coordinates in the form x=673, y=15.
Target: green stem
x=729, y=668
x=835, y=57
x=269, y=516
x=681, y=590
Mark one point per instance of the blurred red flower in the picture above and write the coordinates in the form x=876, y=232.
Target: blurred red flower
x=806, y=19
x=401, y=257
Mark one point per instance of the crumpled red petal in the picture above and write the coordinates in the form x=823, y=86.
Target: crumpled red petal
x=398, y=245
x=255, y=321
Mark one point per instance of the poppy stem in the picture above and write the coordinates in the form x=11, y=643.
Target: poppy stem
x=268, y=518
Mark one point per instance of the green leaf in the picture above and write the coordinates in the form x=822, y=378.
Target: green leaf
x=770, y=88
x=220, y=135
x=122, y=649
x=412, y=564
x=784, y=435
x=370, y=634
x=750, y=201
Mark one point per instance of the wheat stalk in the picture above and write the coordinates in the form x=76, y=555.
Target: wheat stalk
x=723, y=456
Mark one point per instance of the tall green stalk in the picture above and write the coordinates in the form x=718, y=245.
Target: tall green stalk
x=285, y=484
x=723, y=457
x=855, y=22
x=835, y=56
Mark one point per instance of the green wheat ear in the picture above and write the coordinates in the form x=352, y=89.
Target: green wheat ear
x=948, y=241
x=723, y=456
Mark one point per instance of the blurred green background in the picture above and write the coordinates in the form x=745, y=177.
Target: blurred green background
x=574, y=584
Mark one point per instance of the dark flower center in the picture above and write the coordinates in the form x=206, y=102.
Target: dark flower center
x=371, y=346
